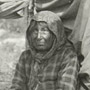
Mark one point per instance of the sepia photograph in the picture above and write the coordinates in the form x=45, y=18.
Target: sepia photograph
x=44, y=45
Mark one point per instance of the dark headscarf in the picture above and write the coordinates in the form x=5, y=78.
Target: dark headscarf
x=55, y=26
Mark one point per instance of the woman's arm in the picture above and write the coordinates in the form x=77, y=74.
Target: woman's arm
x=19, y=80
x=68, y=74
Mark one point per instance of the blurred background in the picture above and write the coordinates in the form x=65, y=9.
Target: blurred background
x=12, y=43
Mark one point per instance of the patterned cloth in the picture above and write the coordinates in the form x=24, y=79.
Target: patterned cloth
x=56, y=70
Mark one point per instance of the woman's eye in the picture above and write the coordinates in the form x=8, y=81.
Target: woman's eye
x=44, y=29
x=35, y=31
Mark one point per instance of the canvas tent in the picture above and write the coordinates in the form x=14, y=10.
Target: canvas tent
x=12, y=8
x=81, y=33
x=15, y=9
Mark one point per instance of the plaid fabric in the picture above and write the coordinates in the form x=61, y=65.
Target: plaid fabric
x=55, y=70
x=60, y=72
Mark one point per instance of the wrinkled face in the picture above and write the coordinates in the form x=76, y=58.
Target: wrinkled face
x=41, y=37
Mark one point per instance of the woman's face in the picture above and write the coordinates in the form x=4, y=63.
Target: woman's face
x=41, y=37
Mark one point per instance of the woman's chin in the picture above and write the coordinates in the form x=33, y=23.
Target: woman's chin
x=40, y=47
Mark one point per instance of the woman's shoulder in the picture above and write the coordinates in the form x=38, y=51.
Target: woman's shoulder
x=67, y=51
x=26, y=53
x=26, y=56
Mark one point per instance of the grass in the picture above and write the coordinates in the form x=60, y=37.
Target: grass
x=11, y=46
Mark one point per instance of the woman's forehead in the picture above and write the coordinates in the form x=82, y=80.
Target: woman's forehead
x=41, y=23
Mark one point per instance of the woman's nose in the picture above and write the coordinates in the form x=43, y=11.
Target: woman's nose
x=39, y=35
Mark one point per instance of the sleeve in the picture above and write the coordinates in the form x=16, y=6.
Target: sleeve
x=19, y=81
x=68, y=74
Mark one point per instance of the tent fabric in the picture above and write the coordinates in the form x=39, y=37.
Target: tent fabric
x=81, y=33
x=81, y=21
x=86, y=47
x=12, y=9
x=67, y=9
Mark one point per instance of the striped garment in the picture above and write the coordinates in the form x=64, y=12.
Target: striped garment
x=55, y=70
x=59, y=73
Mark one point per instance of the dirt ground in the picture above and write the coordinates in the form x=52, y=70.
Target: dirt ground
x=11, y=46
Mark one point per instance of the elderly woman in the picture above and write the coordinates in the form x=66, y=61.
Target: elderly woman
x=50, y=63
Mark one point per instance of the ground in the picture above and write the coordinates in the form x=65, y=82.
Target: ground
x=11, y=46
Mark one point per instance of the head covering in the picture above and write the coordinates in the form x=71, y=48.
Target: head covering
x=55, y=26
